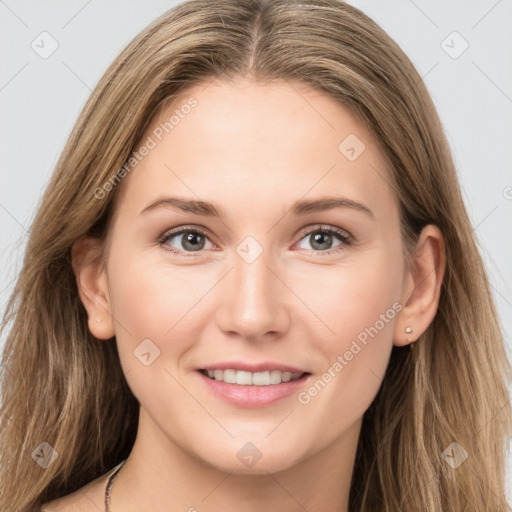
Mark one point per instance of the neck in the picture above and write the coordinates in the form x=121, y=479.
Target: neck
x=173, y=479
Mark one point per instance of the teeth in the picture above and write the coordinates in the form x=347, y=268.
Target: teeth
x=229, y=376
x=244, y=378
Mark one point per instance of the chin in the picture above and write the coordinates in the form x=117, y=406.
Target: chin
x=249, y=459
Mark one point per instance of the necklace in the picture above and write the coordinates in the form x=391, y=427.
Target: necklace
x=110, y=481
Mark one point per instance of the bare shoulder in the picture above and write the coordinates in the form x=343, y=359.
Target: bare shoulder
x=89, y=498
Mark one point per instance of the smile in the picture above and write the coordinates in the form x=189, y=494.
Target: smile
x=245, y=389
x=245, y=378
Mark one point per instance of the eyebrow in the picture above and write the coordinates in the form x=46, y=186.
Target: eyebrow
x=302, y=207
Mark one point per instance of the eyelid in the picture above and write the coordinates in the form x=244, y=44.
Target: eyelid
x=325, y=227
x=180, y=229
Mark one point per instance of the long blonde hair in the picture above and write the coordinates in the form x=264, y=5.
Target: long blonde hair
x=63, y=387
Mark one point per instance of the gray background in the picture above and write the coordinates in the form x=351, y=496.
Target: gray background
x=40, y=99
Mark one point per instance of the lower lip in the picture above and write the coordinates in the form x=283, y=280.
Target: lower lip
x=253, y=396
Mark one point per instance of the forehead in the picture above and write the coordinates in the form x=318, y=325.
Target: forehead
x=241, y=143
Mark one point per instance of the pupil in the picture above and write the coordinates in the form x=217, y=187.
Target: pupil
x=192, y=238
x=323, y=239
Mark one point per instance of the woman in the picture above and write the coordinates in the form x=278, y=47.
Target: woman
x=252, y=282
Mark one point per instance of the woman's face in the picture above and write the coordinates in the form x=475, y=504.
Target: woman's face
x=264, y=277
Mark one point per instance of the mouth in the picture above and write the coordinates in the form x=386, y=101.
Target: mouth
x=253, y=390
x=246, y=378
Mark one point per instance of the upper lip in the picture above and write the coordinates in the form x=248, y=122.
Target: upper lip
x=253, y=368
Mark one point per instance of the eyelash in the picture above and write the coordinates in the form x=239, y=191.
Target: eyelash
x=344, y=237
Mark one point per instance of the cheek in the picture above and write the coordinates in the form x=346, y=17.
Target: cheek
x=359, y=306
x=152, y=301
x=157, y=320
x=142, y=302
x=349, y=299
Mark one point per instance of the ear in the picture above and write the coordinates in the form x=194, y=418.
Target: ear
x=422, y=287
x=91, y=280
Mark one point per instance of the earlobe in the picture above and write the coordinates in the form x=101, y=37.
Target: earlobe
x=422, y=287
x=91, y=280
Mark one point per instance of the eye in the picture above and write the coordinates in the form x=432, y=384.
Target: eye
x=189, y=240
x=322, y=238
x=192, y=239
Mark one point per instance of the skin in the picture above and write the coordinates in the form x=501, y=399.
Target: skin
x=253, y=149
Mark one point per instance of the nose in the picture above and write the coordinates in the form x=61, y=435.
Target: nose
x=253, y=301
